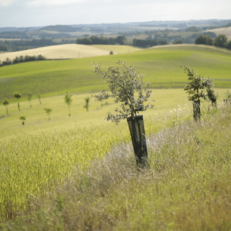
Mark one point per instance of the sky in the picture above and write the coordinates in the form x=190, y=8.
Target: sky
x=30, y=13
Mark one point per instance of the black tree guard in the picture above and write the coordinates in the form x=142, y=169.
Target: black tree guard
x=136, y=127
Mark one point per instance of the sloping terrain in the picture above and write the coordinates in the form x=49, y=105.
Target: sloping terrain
x=225, y=30
x=161, y=67
x=67, y=51
x=118, y=49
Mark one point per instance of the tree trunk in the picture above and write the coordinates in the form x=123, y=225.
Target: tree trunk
x=7, y=111
x=136, y=127
x=18, y=106
x=196, y=110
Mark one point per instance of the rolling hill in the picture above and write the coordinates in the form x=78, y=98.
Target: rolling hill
x=161, y=67
x=225, y=30
x=67, y=51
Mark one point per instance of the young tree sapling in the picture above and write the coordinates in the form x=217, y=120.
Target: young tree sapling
x=128, y=88
x=29, y=96
x=23, y=118
x=48, y=111
x=87, y=100
x=196, y=90
x=68, y=101
x=6, y=103
x=39, y=98
x=18, y=96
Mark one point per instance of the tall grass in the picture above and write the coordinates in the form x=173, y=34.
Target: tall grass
x=34, y=161
x=187, y=187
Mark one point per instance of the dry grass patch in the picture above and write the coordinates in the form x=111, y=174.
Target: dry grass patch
x=226, y=31
x=67, y=51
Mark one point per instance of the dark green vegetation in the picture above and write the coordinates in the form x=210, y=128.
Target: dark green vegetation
x=122, y=40
x=198, y=88
x=23, y=118
x=17, y=45
x=68, y=101
x=161, y=67
x=22, y=59
x=220, y=41
x=6, y=103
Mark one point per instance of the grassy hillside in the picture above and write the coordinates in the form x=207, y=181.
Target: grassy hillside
x=161, y=67
x=118, y=49
x=186, y=188
x=40, y=159
x=67, y=51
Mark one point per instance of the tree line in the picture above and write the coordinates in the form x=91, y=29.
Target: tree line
x=21, y=59
x=148, y=43
x=219, y=41
x=122, y=40
x=16, y=45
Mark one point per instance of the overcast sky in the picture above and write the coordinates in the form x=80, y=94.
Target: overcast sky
x=25, y=13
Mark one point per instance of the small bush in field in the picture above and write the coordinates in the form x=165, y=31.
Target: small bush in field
x=48, y=111
x=23, y=118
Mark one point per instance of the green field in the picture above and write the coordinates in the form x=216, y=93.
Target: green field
x=161, y=67
x=118, y=49
x=49, y=168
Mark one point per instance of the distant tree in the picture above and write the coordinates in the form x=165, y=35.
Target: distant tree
x=21, y=59
x=212, y=97
x=18, y=96
x=6, y=103
x=39, y=98
x=204, y=39
x=210, y=34
x=229, y=45
x=196, y=90
x=48, y=111
x=121, y=40
x=7, y=62
x=23, y=118
x=221, y=41
x=29, y=96
x=201, y=39
x=68, y=101
x=179, y=41
x=87, y=100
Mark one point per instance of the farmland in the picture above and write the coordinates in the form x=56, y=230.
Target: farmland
x=81, y=164
x=161, y=67
x=226, y=31
x=67, y=51
x=117, y=49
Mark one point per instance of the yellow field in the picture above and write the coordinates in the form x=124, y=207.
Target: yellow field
x=67, y=51
x=117, y=49
x=226, y=31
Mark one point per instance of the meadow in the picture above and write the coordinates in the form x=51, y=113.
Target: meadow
x=79, y=173
x=161, y=67
x=118, y=49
